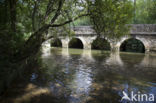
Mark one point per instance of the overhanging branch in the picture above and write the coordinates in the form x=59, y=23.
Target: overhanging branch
x=58, y=11
x=69, y=21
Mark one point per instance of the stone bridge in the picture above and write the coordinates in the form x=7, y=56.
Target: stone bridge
x=146, y=33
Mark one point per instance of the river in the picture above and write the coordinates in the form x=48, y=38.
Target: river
x=91, y=76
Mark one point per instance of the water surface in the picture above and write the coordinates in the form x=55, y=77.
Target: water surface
x=85, y=76
x=100, y=77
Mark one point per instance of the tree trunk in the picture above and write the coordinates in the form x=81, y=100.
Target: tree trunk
x=13, y=14
x=134, y=11
x=32, y=45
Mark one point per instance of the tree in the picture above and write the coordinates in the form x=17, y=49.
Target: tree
x=37, y=16
x=24, y=28
x=34, y=18
x=134, y=11
x=152, y=11
x=144, y=12
x=109, y=17
x=27, y=23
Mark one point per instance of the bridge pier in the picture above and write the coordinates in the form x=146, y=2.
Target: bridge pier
x=115, y=47
x=151, y=47
x=87, y=46
x=65, y=42
x=46, y=48
x=46, y=44
x=147, y=51
x=87, y=42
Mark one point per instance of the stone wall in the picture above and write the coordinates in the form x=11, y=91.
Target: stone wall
x=143, y=28
x=135, y=28
x=146, y=33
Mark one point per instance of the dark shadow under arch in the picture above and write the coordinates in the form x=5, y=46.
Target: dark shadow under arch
x=101, y=44
x=132, y=45
x=75, y=43
x=56, y=43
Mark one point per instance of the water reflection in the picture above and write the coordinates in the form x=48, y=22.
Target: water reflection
x=87, y=54
x=149, y=61
x=114, y=59
x=65, y=52
x=80, y=76
x=131, y=58
x=98, y=77
x=46, y=51
x=80, y=85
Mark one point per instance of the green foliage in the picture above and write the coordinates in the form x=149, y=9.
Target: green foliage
x=110, y=17
x=152, y=12
x=85, y=21
x=56, y=43
x=101, y=44
x=145, y=11
x=132, y=45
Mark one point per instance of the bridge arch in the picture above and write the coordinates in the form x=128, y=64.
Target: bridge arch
x=145, y=42
x=56, y=42
x=101, y=44
x=132, y=45
x=76, y=43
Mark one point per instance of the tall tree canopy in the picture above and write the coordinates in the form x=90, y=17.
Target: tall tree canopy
x=33, y=18
x=145, y=11
x=24, y=26
x=110, y=16
x=152, y=11
x=30, y=20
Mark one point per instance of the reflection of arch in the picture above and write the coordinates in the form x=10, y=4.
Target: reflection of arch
x=149, y=61
x=114, y=59
x=56, y=43
x=101, y=44
x=128, y=59
x=76, y=43
x=132, y=45
x=87, y=55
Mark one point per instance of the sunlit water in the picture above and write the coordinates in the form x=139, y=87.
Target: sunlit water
x=84, y=76
x=100, y=77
